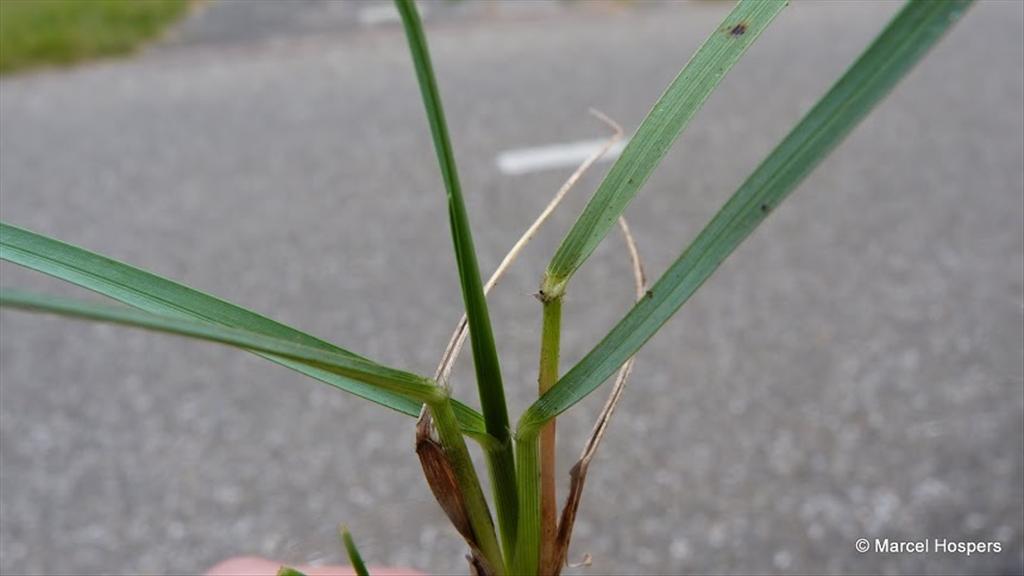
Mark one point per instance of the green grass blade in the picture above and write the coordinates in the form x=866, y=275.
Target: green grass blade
x=485, y=354
x=405, y=384
x=353, y=553
x=903, y=42
x=663, y=124
x=154, y=294
x=137, y=288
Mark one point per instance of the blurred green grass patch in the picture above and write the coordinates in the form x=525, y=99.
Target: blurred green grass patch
x=54, y=32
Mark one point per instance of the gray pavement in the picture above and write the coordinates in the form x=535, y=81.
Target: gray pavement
x=855, y=370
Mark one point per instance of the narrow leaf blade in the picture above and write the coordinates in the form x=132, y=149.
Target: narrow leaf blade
x=485, y=354
x=136, y=287
x=901, y=45
x=663, y=124
x=154, y=294
x=358, y=566
x=501, y=462
x=396, y=381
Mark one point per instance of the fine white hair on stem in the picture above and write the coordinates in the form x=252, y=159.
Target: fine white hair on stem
x=458, y=339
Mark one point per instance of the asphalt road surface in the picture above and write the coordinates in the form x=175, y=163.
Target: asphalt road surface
x=854, y=371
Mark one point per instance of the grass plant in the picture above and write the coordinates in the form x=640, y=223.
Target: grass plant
x=529, y=536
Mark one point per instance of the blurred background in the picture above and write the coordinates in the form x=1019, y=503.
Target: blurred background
x=854, y=370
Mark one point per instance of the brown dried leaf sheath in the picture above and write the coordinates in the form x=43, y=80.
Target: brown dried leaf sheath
x=441, y=478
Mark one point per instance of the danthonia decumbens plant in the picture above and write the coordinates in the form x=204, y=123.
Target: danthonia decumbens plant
x=515, y=527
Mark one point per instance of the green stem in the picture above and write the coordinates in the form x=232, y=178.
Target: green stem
x=465, y=474
x=527, y=551
x=548, y=374
x=535, y=459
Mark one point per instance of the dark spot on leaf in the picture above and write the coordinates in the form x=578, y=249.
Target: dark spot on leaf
x=649, y=295
x=738, y=30
x=766, y=208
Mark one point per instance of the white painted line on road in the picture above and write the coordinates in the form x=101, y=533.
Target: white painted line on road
x=378, y=14
x=569, y=154
x=384, y=14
